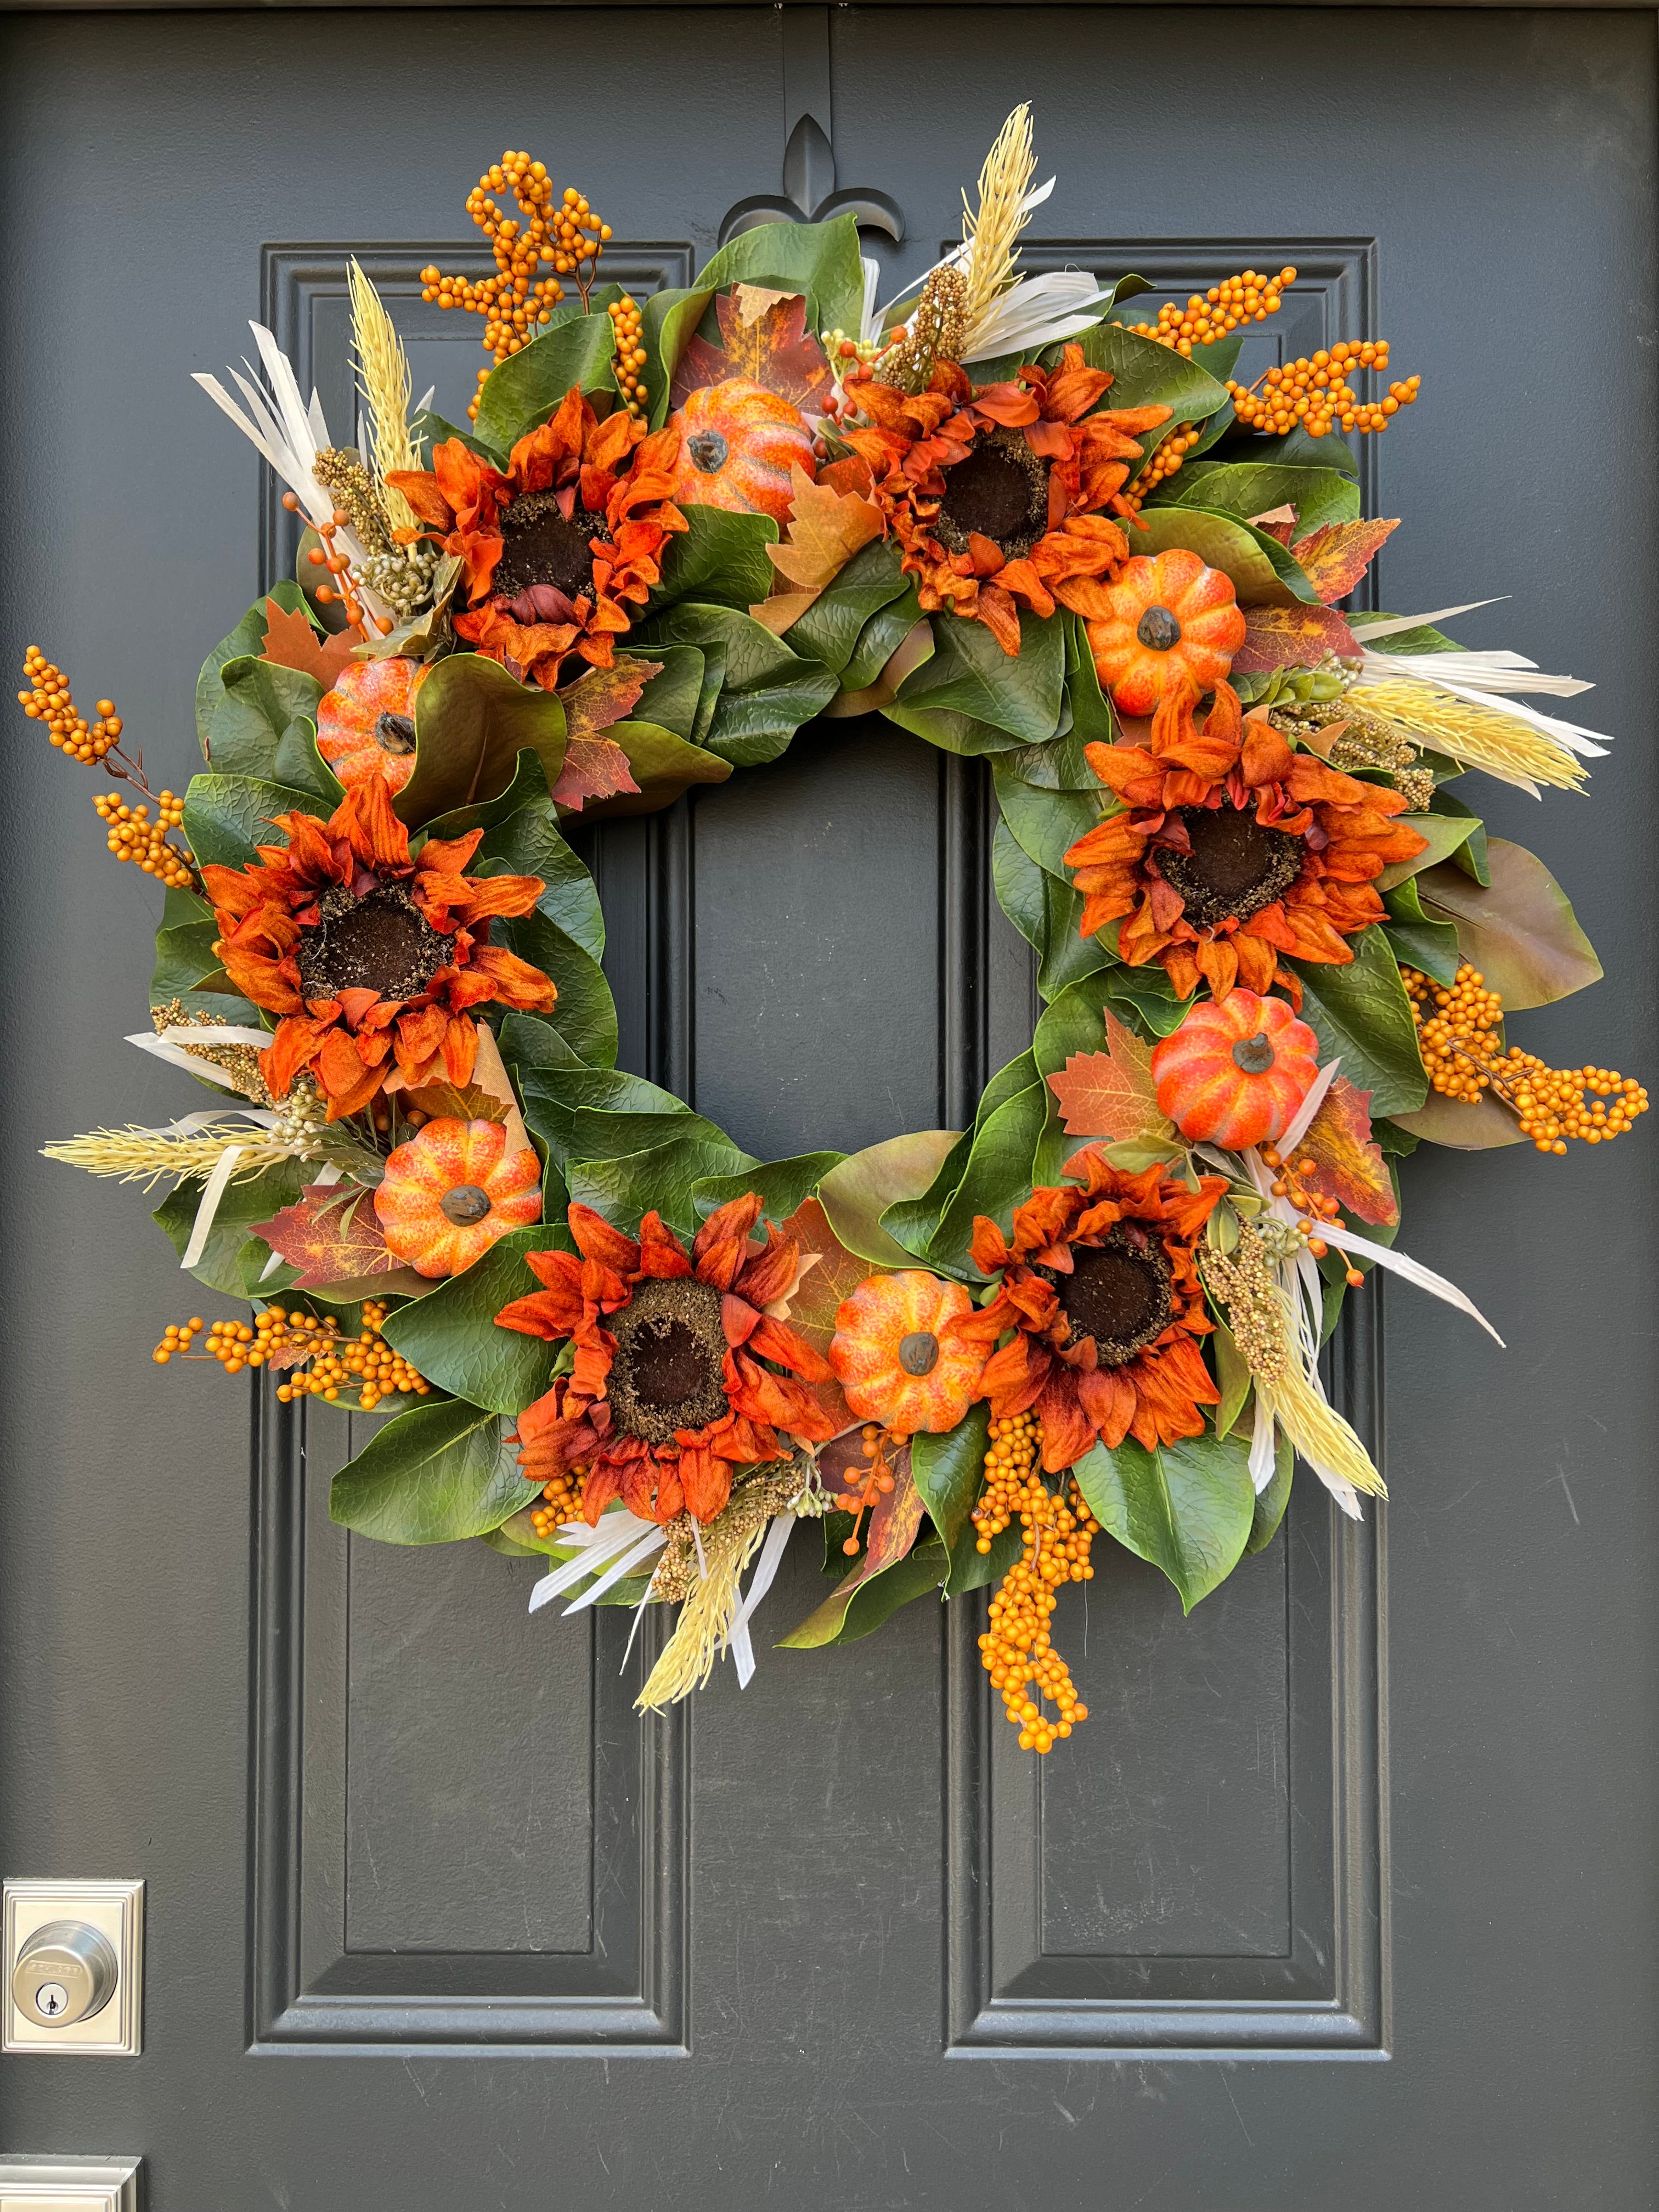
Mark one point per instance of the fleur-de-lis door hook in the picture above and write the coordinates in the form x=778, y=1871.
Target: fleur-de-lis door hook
x=809, y=193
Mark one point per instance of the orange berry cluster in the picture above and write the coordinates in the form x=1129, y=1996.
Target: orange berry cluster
x=563, y=1493
x=559, y=229
x=1165, y=462
x=1314, y=392
x=1247, y=298
x=1312, y=1206
x=47, y=700
x=1059, y=1531
x=295, y=1341
x=630, y=359
x=859, y=1491
x=328, y=555
x=1456, y=1027
x=133, y=836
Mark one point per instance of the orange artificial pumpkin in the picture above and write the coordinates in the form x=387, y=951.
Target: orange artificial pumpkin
x=449, y=1193
x=1173, y=621
x=898, y=1356
x=366, y=724
x=1235, y=1071
x=737, y=445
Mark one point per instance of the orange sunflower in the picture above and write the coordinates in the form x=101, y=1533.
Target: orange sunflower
x=560, y=548
x=1101, y=1289
x=1230, y=849
x=995, y=495
x=670, y=1389
x=371, y=959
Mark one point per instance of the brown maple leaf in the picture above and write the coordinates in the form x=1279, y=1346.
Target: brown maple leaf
x=332, y=1236
x=1278, y=522
x=596, y=767
x=1291, y=637
x=1110, y=1094
x=291, y=642
x=1337, y=557
x=1348, y=1166
x=826, y=529
x=772, y=348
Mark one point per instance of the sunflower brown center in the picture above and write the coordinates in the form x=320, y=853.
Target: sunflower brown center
x=1235, y=867
x=381, y=943
x=668, y=1372
x=464, y=1205
x=1118, y=1292
x=538, y=546
x=918, y=1352
x=1000, y=492
x=395, y=734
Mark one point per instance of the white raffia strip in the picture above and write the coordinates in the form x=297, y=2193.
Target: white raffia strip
x=618, y=1531
x=766, y=1567
x=1365, y=629
x=212, y=1191
x=1262, y=1455
x=213, y=1033
x=651, y=1541
x=1302, y=1120
x=207, y=1070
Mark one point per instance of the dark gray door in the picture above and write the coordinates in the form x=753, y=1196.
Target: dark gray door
x=1344, y=1894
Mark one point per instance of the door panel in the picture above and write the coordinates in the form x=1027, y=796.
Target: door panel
x=423, y=1894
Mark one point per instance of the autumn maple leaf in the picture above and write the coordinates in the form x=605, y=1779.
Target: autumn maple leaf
x=332, y=1236
x=1337, y=557
x=830, y=1274
x=826, y=529
x=1347, y=1165
x=1110, y=1094
x=1290, y=637
x=764, y=338
x=595, y=766
x=291, y=642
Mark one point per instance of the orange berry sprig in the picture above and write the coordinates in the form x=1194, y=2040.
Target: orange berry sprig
x=563, y=1493
x=1058, y=1533
x=1165, y=462
x=630, y=354
x=1456, y=1035
x=133, y=834
x=562, y=231
x=860, y=1492
x=1247, y=298
x=1314, y=391
x=1312, y=1206
x=319, y=1363
x=328, y=555
x=48, y=700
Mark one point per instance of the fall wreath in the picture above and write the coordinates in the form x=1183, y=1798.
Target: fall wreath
x=1023, y=520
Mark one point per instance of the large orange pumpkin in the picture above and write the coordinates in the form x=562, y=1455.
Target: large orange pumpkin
x=898, y=1357
x=1173, y=621
x=449, y=1193
x=366, y=724
x=1235, y=1071
x=737, y=445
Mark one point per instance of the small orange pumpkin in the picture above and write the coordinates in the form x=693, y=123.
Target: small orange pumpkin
x=898, y=1356
x=449, y=1193
x=1235, y=1071
x=1172, y=622
x=366, y=724
x=737, y=445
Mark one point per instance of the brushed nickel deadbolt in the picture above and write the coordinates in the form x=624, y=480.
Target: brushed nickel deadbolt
x=73, y=1968
x=65, y=1971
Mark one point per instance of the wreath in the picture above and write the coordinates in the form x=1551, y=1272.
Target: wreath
x=1024, y=520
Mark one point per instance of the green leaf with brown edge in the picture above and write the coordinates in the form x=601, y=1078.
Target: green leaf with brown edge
x=818, y=259
x=669, y=319
x=248, y=638
x=1472, y=856
x=1146, y=375
x=832, y=627
x=1271, y=1502
x=526, y=389
x=1482, y=1128
x=1233, y=1375
x=670, y=700
x=869, y=663
x=948, y=1470
x=471, y=721
x=451, y=1335
x=661, y=1180
x=1247, y=487
x=1093, y=721
x=997, y=1179
x=1045, y=823
x=258, y=703
x=1186, y=1507
x=855, y=1195
x=431, y=1476
x=1441, y=834
x=783, y=1184
x=894, y=1524
x=1416, y=941
x=1360, y=1014
x=1520, y=933
x=1264, y=572
x=585, y=1014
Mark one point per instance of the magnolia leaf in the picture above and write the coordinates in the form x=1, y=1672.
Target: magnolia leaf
x=1520, y=933
x=1290, y=637
x=1336, y=556
x=1348, y=1166
x=826, y=529
x=290, y=641
x=1187, y=1507
x=764, y=338
x=1480, y=1127
x=1264, y=572
x=434, y=1475
x=332, y=1236
x=856, y=1194
x=948, y=1469
x=1110, y=1094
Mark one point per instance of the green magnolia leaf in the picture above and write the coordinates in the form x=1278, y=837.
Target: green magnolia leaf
x=669, y=320
x=431, y=1476
x=1092, y=720
x=670, y=699
x=1233, y=1375
x=1145, y=374
x=1247, y=488
x=1264, y=572
x=585, y=1014
x=1145, y=998
x=530, y=1043
x=430, y=430
x=832, y=626
x=526, y=389
x=948, y=1470
x=661, y=763
x=451, y=1335
x=241, y=1207
x=1441, y=834
x=1482, y=1128
x=997, y=1179
x=751, y=727
x=719, y=559
x=624, y=1190
x=471, y=721
x=300, y=765
x=753, y=654
x=528, y=843
x=1270, y=1505
x=1521, y=933
x=1471, y=857
x=1047, y=913
x=1360, y=1014
x=855, y=1195
x=246, y=639
x=1073, y=1024
x=818, y=259
x=258, y=704
x=1414, y=940
x=527, y=788
x=783, y=1184
x=863, y=1602
x=227, y=816
x=606, y=1134
x=554, y=1096
x=1046, y=823
x=185, y=962
x=970, y=675
x=1296, y=450
x=1187, y=1508
x=879, y=640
